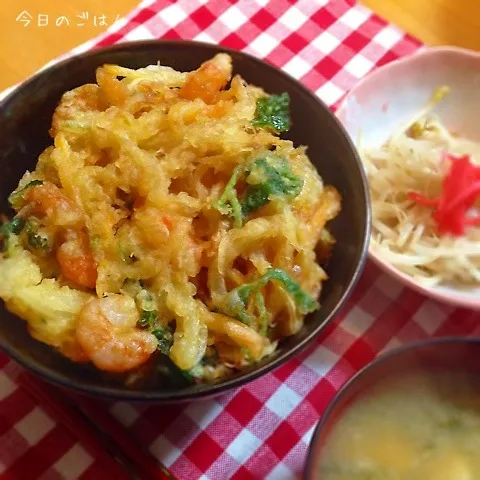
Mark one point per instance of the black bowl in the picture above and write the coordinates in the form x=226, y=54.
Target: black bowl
x=441, y=354
x=25, y=118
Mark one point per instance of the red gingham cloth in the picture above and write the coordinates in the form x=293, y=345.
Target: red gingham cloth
x=262, y=430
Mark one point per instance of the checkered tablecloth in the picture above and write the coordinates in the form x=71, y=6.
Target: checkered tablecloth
x=262, y=430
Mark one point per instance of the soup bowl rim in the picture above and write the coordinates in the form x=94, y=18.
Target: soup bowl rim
x=309, y=472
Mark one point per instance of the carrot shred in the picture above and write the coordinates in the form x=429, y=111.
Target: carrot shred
x=460, y=190
x=167, y=221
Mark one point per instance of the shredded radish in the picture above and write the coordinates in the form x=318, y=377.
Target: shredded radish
x=404, y=174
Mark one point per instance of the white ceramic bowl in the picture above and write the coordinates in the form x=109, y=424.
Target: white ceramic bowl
x=384, y=100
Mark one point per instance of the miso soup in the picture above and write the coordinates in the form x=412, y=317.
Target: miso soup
x=415, y=427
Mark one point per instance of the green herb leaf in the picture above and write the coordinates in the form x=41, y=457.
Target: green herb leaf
x=273, y=112
x=146, y=303
x=268, y=177
x=234, y=302
x=305, y=303
x=187, y=376
x=175, y=376
x=194, y=375
x=146, y=300
x=14, y=227
x=16, y=197
x=36, y=240
x=263, y=315
x=165, y=339
x=247, y=355
x=228, y=203
x=147, y=319
x=234, y=305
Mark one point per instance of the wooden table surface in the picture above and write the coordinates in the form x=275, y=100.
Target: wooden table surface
x=36, y=31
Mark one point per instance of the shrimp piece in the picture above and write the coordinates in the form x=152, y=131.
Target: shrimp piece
x=107, y=333
x=112, y=90
x=209, y=79
x=80, y=103
x=154, y=228
x=48, y=200
x=76, y=261
x=74, y=351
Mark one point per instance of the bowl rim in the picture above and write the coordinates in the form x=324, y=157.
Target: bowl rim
x=208, y=390
x=382, y=357
x=455, y=298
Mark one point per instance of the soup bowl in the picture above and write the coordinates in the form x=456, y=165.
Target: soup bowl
x=25, y=118
x=456, y=355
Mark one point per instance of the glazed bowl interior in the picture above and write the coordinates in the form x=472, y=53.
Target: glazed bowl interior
x=24, y=123
x=447, y=354
x=385, y=100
